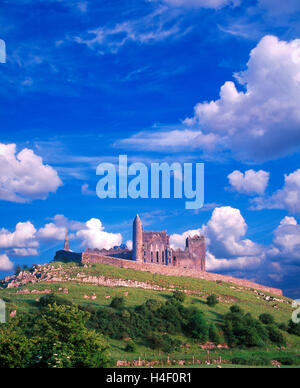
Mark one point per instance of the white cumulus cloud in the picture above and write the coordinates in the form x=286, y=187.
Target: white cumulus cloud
x=94, y=236
x=5, y=263
x=286, y=243
x=252, y=182
x=24, y=236
x=24, y=177
x=227, y=247
x=259, y=119
x=287, y=198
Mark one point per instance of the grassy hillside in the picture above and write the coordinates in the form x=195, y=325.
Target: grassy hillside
x=196, y=289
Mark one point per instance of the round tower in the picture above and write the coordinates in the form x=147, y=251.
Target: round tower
x=137, y=239
x=67, y=246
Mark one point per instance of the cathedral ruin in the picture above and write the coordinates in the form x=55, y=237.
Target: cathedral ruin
x=149, y=247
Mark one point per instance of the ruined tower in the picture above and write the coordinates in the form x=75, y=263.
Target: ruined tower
x=196, y=249
x=137, y=240
x=67, y=246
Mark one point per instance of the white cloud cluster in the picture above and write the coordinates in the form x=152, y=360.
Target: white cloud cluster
x=94, y=236
x=256, y=120
x=286, y=244
x=52, y=232
x=260, y=120
x=24, y=177
x=5, y=263
x=252, y=182
x=287, y=198
x=160, y=140
x=227, y=247
x=178, y=241
x=21, y=242
x=25, y=240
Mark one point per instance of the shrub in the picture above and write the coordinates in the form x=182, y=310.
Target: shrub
x=15, y=348
x=212, y=300
x=267, y=319
x=163, y=342
x=214, y=335
x=286, y=360
x=64, y=341
x=235, y=309
x=179, y=296
x=118, y=303
x=51, y=299
x=294, y=328
x=275, y=335
x=244, y=330
x=251, y=360
x=130, y=347
x=283, y=326
x=197, y=326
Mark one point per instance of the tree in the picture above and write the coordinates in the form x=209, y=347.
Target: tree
x=118, y=303
x=235, y=309
x=212, y=300
x=267, y=319
x=18, y=270
x=197, y=326
x=276, y=336
x=214, y=335
x=130, y=347
x=179, y=296
x=15, y=348
x=294, y=328
x=62, y=340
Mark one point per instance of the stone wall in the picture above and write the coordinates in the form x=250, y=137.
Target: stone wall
x=174, y=271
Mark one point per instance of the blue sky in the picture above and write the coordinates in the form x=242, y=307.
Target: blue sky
x=213, y=81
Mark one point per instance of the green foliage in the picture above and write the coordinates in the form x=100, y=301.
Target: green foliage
x=118, y=303
x=214, y=335
x=283, y=326
x=245, y=331
x=212, y=300
x=197, y=326
x=294, y=328
x=251, y=360
x=267, y=319
x=51, y=299
x=130, y=347
x=55, y=338
x=179, y=296
x=18, y=270
x=65, y=341
x=163, y=342
x=276, y=336
x=289, y=360
x=15, y=348
x=236, y=309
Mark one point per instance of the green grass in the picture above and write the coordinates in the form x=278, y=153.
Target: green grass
x=198, y=291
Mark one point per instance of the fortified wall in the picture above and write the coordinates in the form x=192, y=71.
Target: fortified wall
x=90, y=257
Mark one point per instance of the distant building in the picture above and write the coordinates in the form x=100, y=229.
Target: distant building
x=66, y=255
x=154, y=247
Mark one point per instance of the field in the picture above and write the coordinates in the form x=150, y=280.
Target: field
x=190, y=354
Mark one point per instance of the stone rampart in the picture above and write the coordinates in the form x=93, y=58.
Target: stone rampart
x=174, y=271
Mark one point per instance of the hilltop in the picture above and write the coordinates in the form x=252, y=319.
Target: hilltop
x=94, y=286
